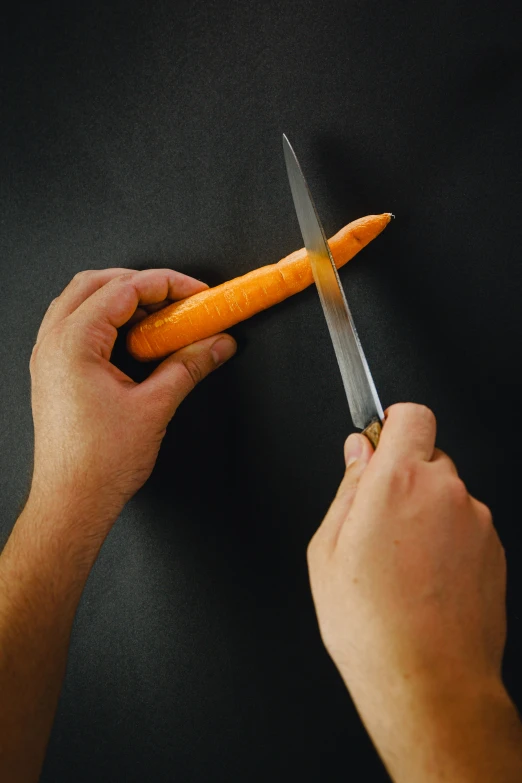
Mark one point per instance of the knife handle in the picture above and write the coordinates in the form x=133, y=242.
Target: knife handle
x=373, y=432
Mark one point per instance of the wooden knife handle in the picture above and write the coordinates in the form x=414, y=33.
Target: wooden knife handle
x=373, y=432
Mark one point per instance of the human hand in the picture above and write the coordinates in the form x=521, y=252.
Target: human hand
x=408, y=578
x=97, y=433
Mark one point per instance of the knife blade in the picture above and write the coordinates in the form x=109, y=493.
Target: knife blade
x=363, y=401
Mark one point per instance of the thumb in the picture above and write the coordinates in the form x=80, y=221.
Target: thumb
x=357, y=453
x=175, y=377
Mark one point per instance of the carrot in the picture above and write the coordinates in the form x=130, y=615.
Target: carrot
x=219, y=308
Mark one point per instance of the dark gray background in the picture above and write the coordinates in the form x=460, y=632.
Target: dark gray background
x=149, y=134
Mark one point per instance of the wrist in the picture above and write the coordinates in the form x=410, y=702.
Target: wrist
x=466, y=732
x=64, y=521
x=75, y=509
x=48, y=557
x=477, y=734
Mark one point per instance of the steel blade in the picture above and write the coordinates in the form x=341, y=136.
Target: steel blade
x=363, y=399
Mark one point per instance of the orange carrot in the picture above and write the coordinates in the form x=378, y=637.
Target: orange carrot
x=219, y=308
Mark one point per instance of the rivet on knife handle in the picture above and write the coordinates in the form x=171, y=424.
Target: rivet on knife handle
x=373, y=432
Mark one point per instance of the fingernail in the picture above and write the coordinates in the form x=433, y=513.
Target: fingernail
x=353, y=449
x=222, y=350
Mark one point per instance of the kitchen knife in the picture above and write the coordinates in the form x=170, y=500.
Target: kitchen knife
x=363, y=400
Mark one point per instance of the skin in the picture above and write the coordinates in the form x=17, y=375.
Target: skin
x=408, y=577
x=407, y=572
x=97, y=436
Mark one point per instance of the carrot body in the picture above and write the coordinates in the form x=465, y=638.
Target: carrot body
x=219, y=308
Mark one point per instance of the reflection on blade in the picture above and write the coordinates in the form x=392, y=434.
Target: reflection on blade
x=360, y=389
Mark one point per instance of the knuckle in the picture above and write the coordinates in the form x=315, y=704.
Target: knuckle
x=311, y=556
x=125, y=276
x=33, y=358
x=62, y=340
x=194, y=370
x=422, y=418
x=445, y=463
x=402, y=474
x=484, y=513
x=424, y=412
x=413, y=411
x=397, y=409
x=313, y=549
x=80, y=277
x=457, y=491
x=426, y=416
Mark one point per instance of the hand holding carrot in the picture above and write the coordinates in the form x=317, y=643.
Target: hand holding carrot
x=95, y=430
x=97, y=433
x=407, y=573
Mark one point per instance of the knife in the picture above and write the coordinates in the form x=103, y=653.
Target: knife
x=363, y=400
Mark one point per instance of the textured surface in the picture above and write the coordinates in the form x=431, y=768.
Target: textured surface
x=221, y=307
x=150, y=134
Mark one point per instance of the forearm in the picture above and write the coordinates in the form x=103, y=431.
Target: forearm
x=43, y=570
x=466, y=735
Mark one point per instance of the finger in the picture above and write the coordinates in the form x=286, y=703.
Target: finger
x=482, y=511
x=153, y=308
x=83, y=285
x=409, y=431
x=99, y=316
x=357, y=453
x=177, y=375
x=441, y=460
x=142, y=312
x=139, y=314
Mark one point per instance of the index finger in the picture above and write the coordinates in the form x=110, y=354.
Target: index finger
x=102, y=314
x=409, y=431
x=83, y=285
